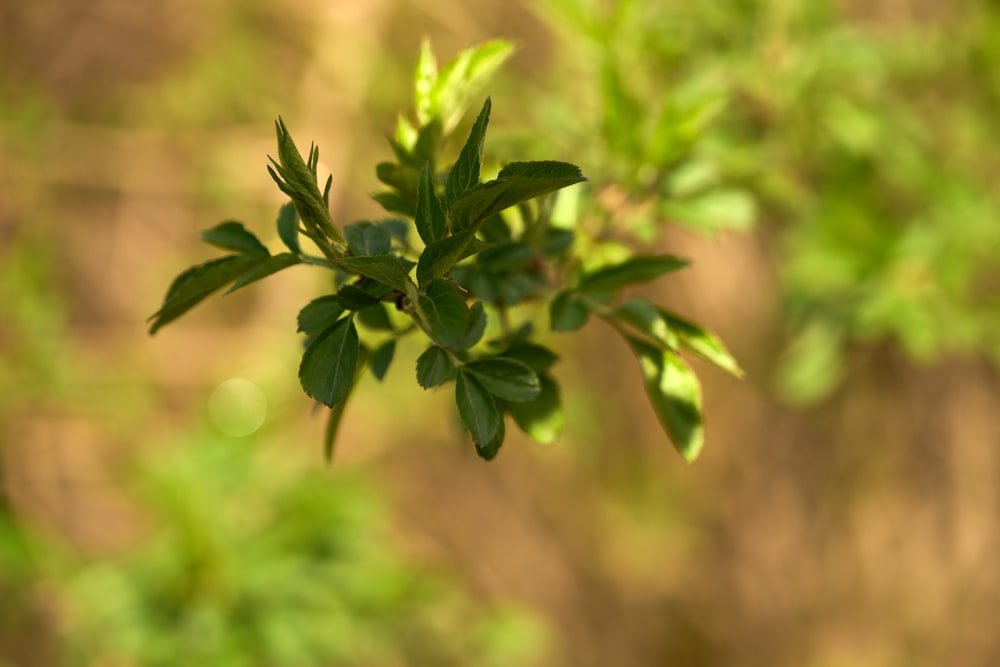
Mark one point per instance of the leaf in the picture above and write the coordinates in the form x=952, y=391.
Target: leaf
x=234, y=236
x=507, y=257
x=543, y=418
x=516, y=183
x=445, y=312
x=429, y=218
x=376, y=317
x=508, y=379
x=475, y=326
x=648, y=319
x=320, y=314
x=434, y=367
x=328, y=365
x=363, y=295
x=675, y=394
x=265, y=268
x=537, y=357
x=424, y=78
x=196, y=283
x=465, y=75
x=701, y=342
x=393, y=203
x=477, y=409
x=567, y=313
x=382, y=357
x=365, y=238
x=438, y=258
x=635, y=270
x=464, y=175
x=333, y=425
x=288, y=232
x=385, y=269
x=488, y=451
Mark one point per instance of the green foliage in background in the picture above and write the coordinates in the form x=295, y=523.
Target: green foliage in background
x=253, y=561
x=864, y=139
x=488, y=242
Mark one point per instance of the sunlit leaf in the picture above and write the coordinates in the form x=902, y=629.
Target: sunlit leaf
x=706, y=345
x=543, y=417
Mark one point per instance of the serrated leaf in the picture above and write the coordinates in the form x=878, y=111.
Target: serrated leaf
x=505, y=378
x=635, y=270
x=328, y=365
x=675, y=394
x=517, y=182
x=434, y=367
x=429, y=218
x=438, y=258
x=464, y=175
x=488, y=450
x=542, y=418
x=477, y=409
x=320, y=314
x=475, y=326
x=196, y=283
x=706, y=345
x=445, y=312
x=567, y=312
x=537, y=357
x=648, y=319
x=366, y=238
x=382, y=357
x=288, y=229
x=265, y=268
x=234, y=236
x=383, y=268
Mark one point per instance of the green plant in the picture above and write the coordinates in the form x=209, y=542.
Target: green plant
x=484, y=250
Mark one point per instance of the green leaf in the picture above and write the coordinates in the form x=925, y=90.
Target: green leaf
x=382, y=357
x=701, y=342
x=393, y=203
x=507, y=257
x=333, y=425
x=516, y=183
x=464, y=76
x=328, y=365
x=635, y=270
x=649, y=320
x=567, y=312
x=234, y=236
x=478, y=410
x=365, y=238
x=434, y=367
x=464, y=175
x=288, y=231
x=475, y=326
x=320, y=314
x=363, y=295
x=537, y=357
x=505, y=378
x=383, y=268
x=543, y=418
x=376, y=317
x=193, y=285
x=438, y=258
x=488, y=451
x=446, y=313
x=265, y=268
x=675, y=394
x=297, y=179
x=424, y=79
x=429, y=219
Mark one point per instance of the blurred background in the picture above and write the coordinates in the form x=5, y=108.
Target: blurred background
x=829, y=168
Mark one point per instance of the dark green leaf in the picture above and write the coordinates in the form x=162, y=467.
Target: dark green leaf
x=193, y=285
x=648, y=319
x=288, y=231
x=359, y=297
x=446, y=313
x=464, y=175
x=234, y=236
x=438, y=258
x=320, y=314
x=265, y=268
x=557, y=241
x=537, y=357
x=429, y=219
x=699, y=341
x=398, y=229
x=333, y=425
x=365, y=238
x=328, y=365
x=375, y=317
x=495, y=230
x=479, y=412
x=383, y=268
x=507, y=257
x=567, y=313
x=434, y=368
x=382, y=357
x=675, y=394
x=488, y=451
x=542, y=418
x=475, y=326
x=402, y=178
x=635, y=270
x=393, y=203
x=505, y=378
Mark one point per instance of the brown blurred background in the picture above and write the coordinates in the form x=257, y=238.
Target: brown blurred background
x=860, y=529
